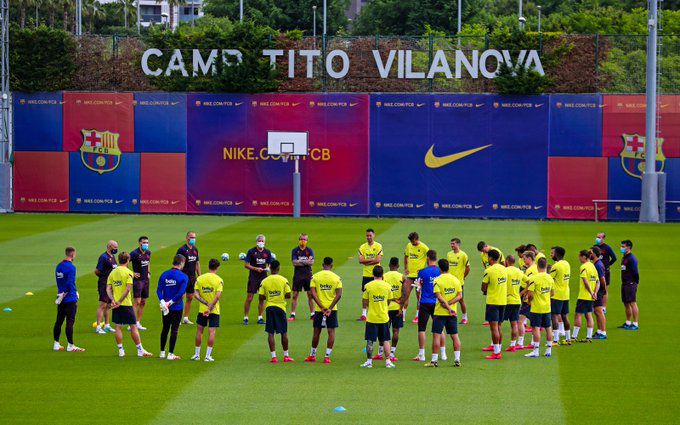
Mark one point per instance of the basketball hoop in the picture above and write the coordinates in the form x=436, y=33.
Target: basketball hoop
x=285, y=157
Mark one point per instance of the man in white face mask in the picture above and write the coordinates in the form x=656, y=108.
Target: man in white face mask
x=257, y=261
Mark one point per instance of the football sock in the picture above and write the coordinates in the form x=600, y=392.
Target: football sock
x=197, y=351
x=635, y=323
x=549, y=349
x=381, y=350
x=464, y=316
x=273, y=354
x=496, y=348
x=421, y=353
x=208, y=351
x=456, y=355
x=259, y=317
x=442, y=351
x=589, y=333
x=513, y=343
x=393, y=350
x=435, y=357
x=567, y=334
x=628, y=322
x=285, y=353
x=312, y=352
x=328, y=352
x=363, y=312
x=575, y=333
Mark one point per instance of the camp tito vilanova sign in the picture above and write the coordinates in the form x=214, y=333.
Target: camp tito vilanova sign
x=396, y=63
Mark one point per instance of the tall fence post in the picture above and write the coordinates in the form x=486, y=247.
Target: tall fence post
x=323, y=67
x=430, y=56
x=114, y=59
x=597, y=60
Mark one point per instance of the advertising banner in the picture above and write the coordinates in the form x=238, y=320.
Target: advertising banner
x=576, y=125
x=573, y=184
x=459, y=155
x=160, y=122
x=89, y=116
x=163, y=184
x=37, y=121
x=41, y=181
x=230, y=171
x=114, y=190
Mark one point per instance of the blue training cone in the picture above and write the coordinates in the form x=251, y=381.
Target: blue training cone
x=363, y=350
x=7, y=310
x=340, y=409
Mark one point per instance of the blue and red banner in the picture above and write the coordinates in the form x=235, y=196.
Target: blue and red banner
x=442, y=155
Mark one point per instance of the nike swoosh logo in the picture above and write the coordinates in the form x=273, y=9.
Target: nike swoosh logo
x=296, y=103
x=239, y=203
x=538, y=207
x=432, y=161
x=61, y=201
x=119, y=103
x=477, y=105
x=419, y=205
x=420, y=104
x=603, y=105
x=538, y=105
x=62, y=102
x=478, y=206
x=174, y=103
x=175, y=202
x=353, y=205
x=118, y=202
x=353, y=104
x=239, y=103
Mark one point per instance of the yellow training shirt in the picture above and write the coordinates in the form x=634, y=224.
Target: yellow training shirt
x=274, y=288
x=326, y=283
x=119, y=278
x=208, y=285
x=496, y=278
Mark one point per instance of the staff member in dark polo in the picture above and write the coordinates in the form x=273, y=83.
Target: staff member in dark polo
x=608, y=258
x=258, y=259
x=67, y=301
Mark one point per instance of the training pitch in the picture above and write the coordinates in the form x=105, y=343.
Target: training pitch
x=631, y=377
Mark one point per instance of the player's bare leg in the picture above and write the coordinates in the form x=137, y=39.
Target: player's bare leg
x=293, y=303
x=187, y=308
x=197, y=343
x=140, y=303
x=310, y=301
x=246, y=307
x=463, y=309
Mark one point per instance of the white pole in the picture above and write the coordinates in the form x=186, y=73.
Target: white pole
x=521, y=24
x=649, y=210
x=314, y=22
x=240, y=6
x=460, y=7
x=193, y=13
x=324, y=17
x=139, y=19
x=539, y=18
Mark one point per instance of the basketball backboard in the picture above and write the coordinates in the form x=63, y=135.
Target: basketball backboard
x=287, y=143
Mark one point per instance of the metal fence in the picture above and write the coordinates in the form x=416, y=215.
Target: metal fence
x=575, y=63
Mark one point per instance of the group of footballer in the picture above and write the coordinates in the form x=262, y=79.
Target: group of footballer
x=517, y=289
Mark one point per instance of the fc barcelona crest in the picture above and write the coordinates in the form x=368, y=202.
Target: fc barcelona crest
x=633, y=155
x=100, y=152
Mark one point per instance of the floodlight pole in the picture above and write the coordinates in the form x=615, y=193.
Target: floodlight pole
x=324, y=18
x=296, y=188
x=460, y=7
x=521, y=24
x=649, y=209
x=240, y=8
x=139, y=19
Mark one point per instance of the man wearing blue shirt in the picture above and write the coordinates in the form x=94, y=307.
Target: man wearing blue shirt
x=67, y=301
x=630, y=278
x=428, y=300
x=595, y=257
x=171, y=288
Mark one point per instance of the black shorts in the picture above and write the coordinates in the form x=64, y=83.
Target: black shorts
x=584, y=306
x=439, y=323
x=254, y=284
x=276, y=321
x=397, y=322
x=212, y=321
x=599, y=302
x=559, y=307
x=524, y=309
x=494, y=313
x=140, y=289
x=123, y=315
x=331, y=321
x=511, y=313
x=379, y=331
x=425, y=311
x=541, y=320
x=103, y=296
x=301, y=283
x=364, y=281
x=191, y=285
x=629, y=292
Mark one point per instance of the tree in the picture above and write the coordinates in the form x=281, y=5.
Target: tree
x=284, y=15
x=92, y=10
x=519, y=80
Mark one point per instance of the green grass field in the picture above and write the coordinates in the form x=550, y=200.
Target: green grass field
x=631, y=377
